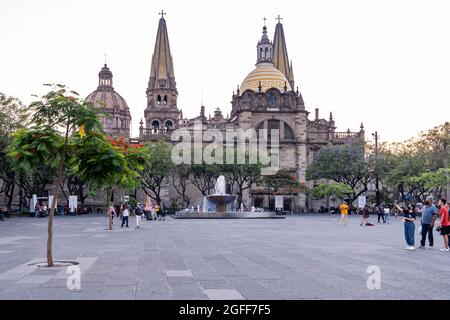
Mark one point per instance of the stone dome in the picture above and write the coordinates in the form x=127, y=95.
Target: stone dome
x=116, y=120
x=268, y=76
x=105, y=97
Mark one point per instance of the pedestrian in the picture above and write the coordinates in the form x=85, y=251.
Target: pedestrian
x=111, y=213
x=409, y=218
x=429, y=215
x=445, y=223
x=160, y=213
x=386, y=212
x=366, y=215
x=125, y=216
x=344, y=212
x=380, y=212
x=1, y=215
x=139, y=212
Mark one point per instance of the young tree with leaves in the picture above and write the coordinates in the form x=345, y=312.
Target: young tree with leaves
x=56, y=116
x=343, y=164
x=158, y=168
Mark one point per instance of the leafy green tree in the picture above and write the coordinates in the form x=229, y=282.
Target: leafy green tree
x=158, y=168
x=181, y=181
x=13, y=115
x=204, y=177
x=327, y=190
x=284, y=182
x=106, y=165
x=243, y=176
x=57, y=116
x=338, y=190
x=343, y=164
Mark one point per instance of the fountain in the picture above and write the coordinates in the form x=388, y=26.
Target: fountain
x=220, y=206
x=220, y=199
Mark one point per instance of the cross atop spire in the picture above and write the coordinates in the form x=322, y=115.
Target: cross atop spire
x=279, y=18
x=106, y=58
x=265, y=19
x=162, y=14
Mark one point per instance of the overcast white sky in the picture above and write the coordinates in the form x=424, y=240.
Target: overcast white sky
x=382, y=62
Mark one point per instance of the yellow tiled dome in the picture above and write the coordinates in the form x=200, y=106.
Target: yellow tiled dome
x=268, y=75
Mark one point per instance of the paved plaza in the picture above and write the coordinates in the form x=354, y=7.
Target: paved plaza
x=306, y=257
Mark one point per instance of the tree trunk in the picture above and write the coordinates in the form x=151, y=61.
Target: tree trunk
x=108, y=205
x=58, y=182
x=10, y=196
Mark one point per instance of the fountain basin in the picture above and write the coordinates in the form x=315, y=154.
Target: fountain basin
x=227, y=215
x=222, y=201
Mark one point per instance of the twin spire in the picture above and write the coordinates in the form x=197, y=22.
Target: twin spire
x=276, y=51
x=162, y=75
x=280, y=56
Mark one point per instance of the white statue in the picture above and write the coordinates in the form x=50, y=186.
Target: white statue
x=221, y=186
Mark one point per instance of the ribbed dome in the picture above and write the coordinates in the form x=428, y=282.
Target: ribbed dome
x=104, y=98
x=268, y=76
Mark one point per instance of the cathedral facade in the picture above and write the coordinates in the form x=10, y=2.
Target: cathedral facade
x=268, y=98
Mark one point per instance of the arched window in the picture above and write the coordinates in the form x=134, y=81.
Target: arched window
x=288, y=133
x=165, y=99
x=155, y=124
x=169, y=124
x=159, y=99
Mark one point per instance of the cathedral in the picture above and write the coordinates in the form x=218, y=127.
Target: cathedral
x=268, y=98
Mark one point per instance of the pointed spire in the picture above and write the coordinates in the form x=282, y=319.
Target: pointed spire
x=162, y=74
x=280, y=54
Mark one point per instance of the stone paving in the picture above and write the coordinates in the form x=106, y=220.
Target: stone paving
x=306, y=257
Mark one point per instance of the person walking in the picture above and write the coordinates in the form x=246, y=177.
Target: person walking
x=125, y=216
x=380, y=213
x=160, y=213
x=344, y=212
x=139, y=212
x=366, y=215
x=111, y=213
x=386, y=212
x=429, y=214
x=409, y=218
x=445, y=223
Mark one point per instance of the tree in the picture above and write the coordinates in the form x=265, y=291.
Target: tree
x=157, y=169
x=327, y=190
x=107, y=164
x=204, y=177
x=243, y=176
x=283, y=183
x=13, y=115
x=343, y=164
x=59, y=111
x=181, y=181
x=339, y=190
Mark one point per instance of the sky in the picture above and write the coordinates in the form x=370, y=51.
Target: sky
x=384, y=63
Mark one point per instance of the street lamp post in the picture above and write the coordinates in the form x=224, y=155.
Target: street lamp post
x=377, y=179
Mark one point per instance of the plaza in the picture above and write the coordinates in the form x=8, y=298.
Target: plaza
x=301, y=257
